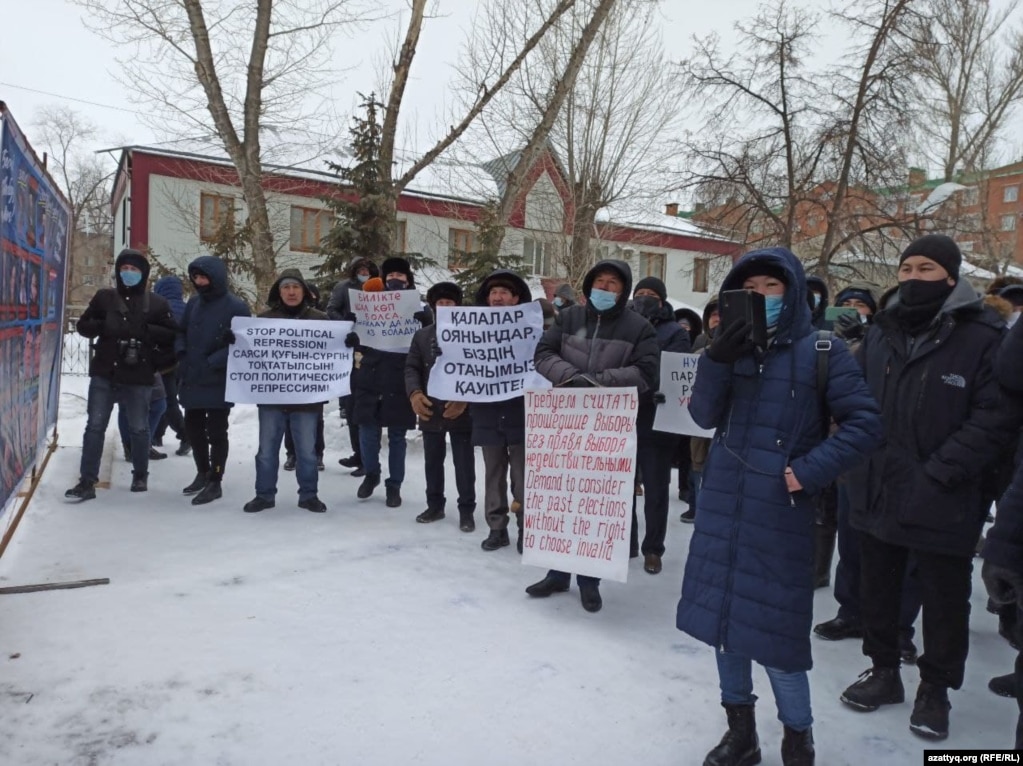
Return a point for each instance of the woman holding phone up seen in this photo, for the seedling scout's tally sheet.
(748, 584)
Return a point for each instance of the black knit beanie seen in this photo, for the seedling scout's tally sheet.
(652, 283)
(939, 248)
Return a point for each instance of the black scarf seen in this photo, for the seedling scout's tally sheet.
(919, 303)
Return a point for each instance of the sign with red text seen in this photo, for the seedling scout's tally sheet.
(288, 361)
(487, 352)
(580, 480)
(678, 375)
(386, 320)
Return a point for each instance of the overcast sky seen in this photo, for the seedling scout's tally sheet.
(49, 57)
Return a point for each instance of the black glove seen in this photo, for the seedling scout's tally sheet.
(1004, 586)
(849, 327)
(351, 340)
(659, 397)
(731, 343)
(423, 317)
(435, 347)
(228, 337)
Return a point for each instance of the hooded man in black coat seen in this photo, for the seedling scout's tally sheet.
(129, 325)
(929, 361)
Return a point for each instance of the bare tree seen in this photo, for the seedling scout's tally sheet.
(793, 156)
(246, 70)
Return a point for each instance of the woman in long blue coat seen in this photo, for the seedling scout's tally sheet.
(748, 584)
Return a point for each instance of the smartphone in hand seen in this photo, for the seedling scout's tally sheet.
(747, 305)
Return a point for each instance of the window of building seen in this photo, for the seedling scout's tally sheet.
(701, 275)
(308, 228)
(216, 215)
(1010, 194)
(400, 244)
(1008, 223)
(536, 256)
(651, 265)
(461, 244)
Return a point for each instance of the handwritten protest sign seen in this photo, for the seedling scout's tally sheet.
(678, 374)
(580, 479)
(384, 320)
(487, 353)
(288, 361)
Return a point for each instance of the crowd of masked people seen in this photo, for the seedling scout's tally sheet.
(888, 435)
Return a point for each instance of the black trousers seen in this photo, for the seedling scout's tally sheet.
(347, 404)
(654, 454)
(945, 585)
(464, 459)
(289, 442)
(207, 431)
(172, 417)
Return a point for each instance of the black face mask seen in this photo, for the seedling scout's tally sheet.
(646, 305)
(920, 292)
(396, 284)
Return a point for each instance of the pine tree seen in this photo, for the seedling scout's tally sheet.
(363, 208)
(487, 259)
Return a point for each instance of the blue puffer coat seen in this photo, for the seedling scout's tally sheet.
(171, 290)
(748, 584)
(203, 348)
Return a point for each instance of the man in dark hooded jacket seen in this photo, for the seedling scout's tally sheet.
(929, 360)
(499, 428)
(289, 298)
(655, 449)
(202, 363)
(817, 296)
(339, 309)
(171, 289)
(129, 324)
(600, 343)
(440, 420)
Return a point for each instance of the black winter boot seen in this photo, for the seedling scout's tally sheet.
(797, 748)
(138, 481)
(740, 746)
(466, 522)
(875, 687)
(196, 486)
(430, 515)
(393, 496)
(371, 482)
(498, 538)
(83, 490)
(930, 711)
(209, 493)
(838, 629)
(823, 550)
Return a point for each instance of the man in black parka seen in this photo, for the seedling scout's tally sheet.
(128, 324)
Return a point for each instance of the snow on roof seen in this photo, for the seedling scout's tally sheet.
(648, 220)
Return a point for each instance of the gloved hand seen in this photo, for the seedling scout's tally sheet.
(453, 409)
(423, 317)
(228, 337)
(580, 381)
(422, 406)
(1004, 586)
(731, 343)
(849, 327)
(351, 340)
(435, 347)
(659, 397)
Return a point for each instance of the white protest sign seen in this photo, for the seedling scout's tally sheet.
(384, 320)
(288, 361)
(580, 479)
(487, 352)
(678, 374)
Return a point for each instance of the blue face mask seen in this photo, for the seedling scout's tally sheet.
(130, 278)
(773, 304)
(362, 277)
(603, 300)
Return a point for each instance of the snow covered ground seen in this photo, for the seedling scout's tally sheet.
(361, 637)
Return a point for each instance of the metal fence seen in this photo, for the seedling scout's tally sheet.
(76, 355)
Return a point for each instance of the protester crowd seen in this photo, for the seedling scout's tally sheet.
(886, 426)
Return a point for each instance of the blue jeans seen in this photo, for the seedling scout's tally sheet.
(134, 400)
(369, 446)
(156, 409)
(272, 422)
(791, 690)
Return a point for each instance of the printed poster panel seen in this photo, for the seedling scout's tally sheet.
(487, 353)
(386, 320)
(580, 480)
(34, 223)
(288, 361)
(678, 374)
